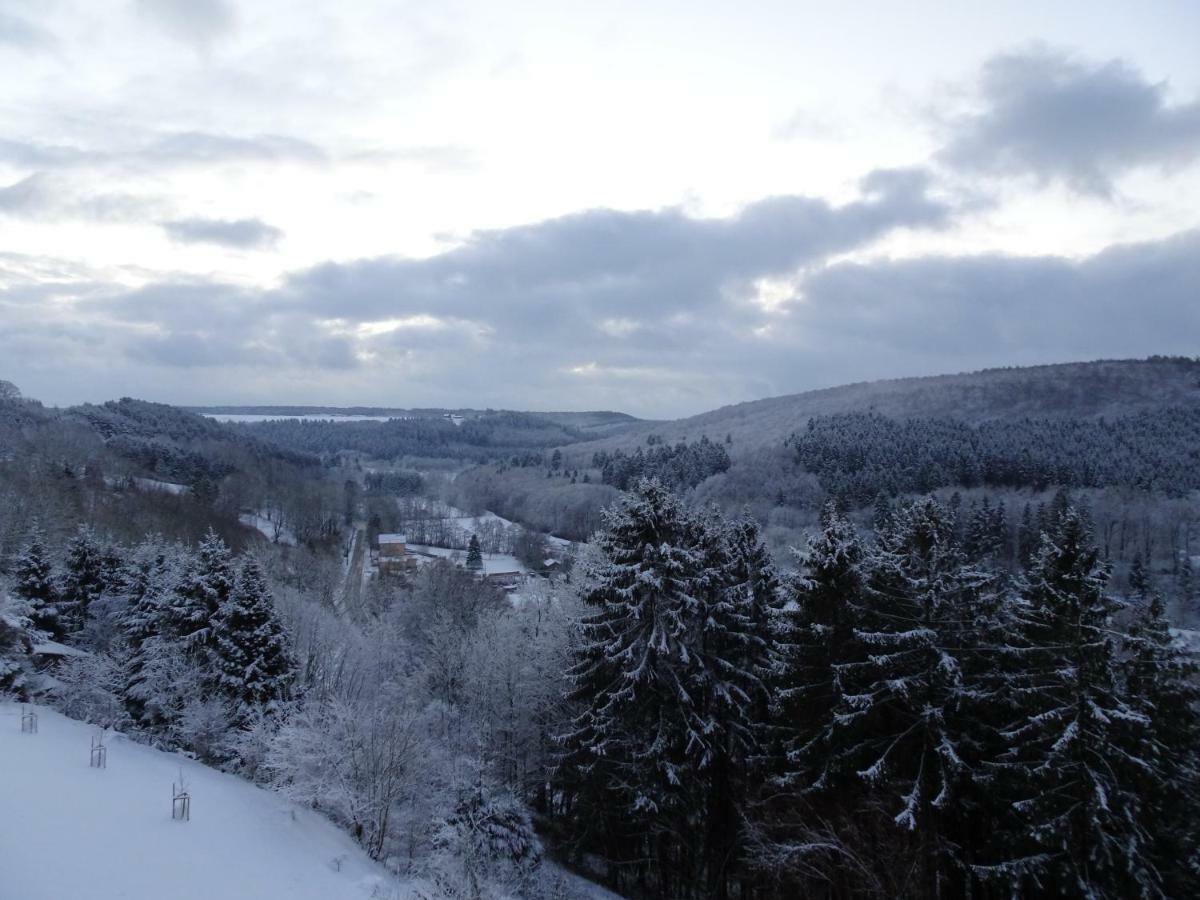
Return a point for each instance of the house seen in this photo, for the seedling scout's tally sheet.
(506, 581)
(394, 558)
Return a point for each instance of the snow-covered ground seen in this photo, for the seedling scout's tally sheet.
(493, 563)
(266, 528)
(69, 832)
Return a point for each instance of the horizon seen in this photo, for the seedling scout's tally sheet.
(211, 408)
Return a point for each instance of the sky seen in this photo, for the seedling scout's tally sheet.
(653, 207)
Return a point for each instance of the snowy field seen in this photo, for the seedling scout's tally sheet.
(71, 832)
(493, 563)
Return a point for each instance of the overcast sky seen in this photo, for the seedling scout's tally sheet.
(656, 207)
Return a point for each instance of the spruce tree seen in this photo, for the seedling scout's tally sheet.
(35, 584)
(474, 554)
(809, 789)
(1162, 685)
(83, 579)
(250, 655)
(204, 585)
(659, 710)
(1075, 752)
(1189, 590)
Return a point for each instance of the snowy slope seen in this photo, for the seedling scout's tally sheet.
(69, 831)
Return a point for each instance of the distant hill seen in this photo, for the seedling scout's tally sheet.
(1105, 388)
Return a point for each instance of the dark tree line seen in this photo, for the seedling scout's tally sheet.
(860, 455)
(489, 437)
(904, 718)
(680, 467)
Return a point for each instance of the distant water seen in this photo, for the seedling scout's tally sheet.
(247, 417)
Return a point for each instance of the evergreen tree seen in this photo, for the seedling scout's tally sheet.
(1027, 536)
(1189, 595)
(1162, 685)
(474, 555)
(660, 711)
(204, 585)
(816, 640)
(250, 653)
(740, 644)
(35, 584)
(83, 579)
(150, 652)
(1075, 751)
(1139, 579)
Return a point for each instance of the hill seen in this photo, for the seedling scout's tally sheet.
(1104, 388)
(75, 831)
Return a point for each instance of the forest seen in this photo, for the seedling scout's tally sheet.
(950, 686)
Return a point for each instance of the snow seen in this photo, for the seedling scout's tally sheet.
(54, 648)
(493, 563)
(72, 831)
(266, 528)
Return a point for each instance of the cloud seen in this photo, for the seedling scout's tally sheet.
(43, 197)
(647, 266)
(20, 33)
(176, 149)
(241, 234)
(199, 22)
(654, 312)
(1046, 115)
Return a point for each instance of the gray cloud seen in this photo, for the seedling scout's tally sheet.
(189, 148)
(580, 269)
(20, 33)
(199, 22)
(653, 312)
(242, 234)
(43, 197)
(1057, 119)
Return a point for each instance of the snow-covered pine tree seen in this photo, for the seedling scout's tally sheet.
(474, 554)
(1075, 750)
(1188, 589)
(1161, 683)
(902, 723)
(250, 654)
(804, 814)
(897, 737)
(1139, 579)
(740, 647)
(818, 628)
(36, 586)
(657, 709)
(203, 586)
(149, 651)
(83, 579)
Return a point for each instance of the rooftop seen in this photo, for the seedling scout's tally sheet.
(393, 539)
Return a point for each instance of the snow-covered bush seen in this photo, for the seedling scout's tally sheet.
(488, 838)
(89, 689)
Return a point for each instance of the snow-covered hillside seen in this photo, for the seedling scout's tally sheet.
(71, 831)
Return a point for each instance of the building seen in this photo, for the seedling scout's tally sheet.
(506, 581)
(394, 558)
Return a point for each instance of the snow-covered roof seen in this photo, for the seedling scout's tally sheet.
(54, 648)
(393, 539)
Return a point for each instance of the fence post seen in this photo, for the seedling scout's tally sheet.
(29, 723)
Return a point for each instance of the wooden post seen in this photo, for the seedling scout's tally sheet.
(181, 801)
(29, 718)
(99, 753)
